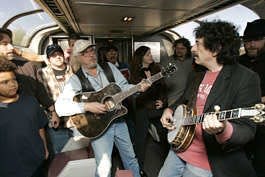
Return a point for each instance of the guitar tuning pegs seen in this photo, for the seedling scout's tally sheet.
(259, 106)
(257, 119)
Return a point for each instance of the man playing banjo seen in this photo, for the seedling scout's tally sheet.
(217, 147)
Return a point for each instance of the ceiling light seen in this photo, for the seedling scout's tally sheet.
(127, 19)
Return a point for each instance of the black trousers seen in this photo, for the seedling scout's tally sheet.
(258, 150)
(143, 118)
(41, 171)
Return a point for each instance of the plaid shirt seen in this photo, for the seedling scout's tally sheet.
(54, 86)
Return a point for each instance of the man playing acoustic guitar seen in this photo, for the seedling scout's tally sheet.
(217, 147)
(90, 76)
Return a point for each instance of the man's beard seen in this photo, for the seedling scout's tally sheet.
(180, 57)
(92, 66)
(261, 51)
(257, 53)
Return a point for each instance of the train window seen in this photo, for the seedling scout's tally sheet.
(241, 15)
(24, 27)
(23, 21)
(9, 10)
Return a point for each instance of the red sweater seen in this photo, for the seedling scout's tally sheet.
(196, 153)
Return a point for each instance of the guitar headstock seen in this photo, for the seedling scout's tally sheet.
(169, 69)
(259, 118)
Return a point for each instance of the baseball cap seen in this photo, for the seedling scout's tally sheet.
(53, 48)
(81, 45)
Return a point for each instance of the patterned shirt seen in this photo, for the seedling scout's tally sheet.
(53, 85)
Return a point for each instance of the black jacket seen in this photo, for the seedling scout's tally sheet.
(236, 86)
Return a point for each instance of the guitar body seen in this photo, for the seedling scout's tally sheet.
(94, 125)
(181, 137)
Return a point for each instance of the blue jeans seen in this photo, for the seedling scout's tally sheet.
(59, 137)
(117, 133)
(175, 167)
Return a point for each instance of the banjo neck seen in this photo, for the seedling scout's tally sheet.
(223, 115)
(184, 121)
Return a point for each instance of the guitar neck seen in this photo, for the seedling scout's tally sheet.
(222, 115)
(155, 77)
(119, 97)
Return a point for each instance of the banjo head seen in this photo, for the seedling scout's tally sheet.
(177, 120)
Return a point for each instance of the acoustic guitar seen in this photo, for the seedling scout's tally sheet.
(94, 125)
(183, 119)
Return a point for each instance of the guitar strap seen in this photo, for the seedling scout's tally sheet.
(85, 83)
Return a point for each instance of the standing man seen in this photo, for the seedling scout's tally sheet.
(53, 77)
(217, 148)
(10, 52)
(22, 136)
(93, 77)
(182, 59)
(19, 52)
(112, 56)
(254, 58)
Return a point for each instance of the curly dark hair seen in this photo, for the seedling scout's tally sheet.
(186, 43)
(221, 37)
(6, 65)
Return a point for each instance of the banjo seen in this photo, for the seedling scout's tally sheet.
(185, 121)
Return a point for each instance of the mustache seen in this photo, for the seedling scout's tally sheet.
(194, 55)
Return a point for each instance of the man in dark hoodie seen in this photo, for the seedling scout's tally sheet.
(254, 58)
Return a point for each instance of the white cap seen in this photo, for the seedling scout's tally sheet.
(81, 45)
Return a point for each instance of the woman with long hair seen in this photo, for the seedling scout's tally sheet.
(149, 105)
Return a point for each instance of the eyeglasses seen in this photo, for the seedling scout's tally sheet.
(89, 51)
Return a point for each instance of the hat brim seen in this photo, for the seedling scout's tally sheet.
(83, 49)
(88, 46)
(53, 51)
(257, 37)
